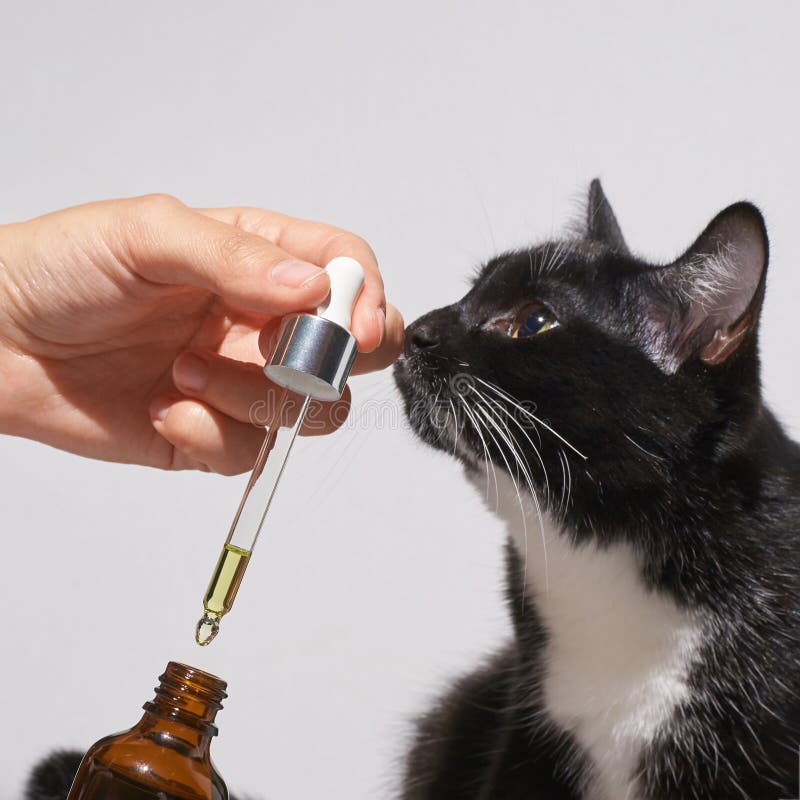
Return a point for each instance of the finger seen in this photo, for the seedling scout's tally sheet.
(284, 408)
(202, 434)
(167, 242)
(322, 418)
(389, 349)
(320, 243)
(240, 390)
(378, 359)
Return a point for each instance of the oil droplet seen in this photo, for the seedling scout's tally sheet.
(206, 630)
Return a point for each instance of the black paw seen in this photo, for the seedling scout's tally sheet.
(52, 777)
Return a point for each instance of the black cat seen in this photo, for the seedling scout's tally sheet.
(611, 409)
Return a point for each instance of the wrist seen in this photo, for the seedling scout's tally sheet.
(12, 359)
(11, 421)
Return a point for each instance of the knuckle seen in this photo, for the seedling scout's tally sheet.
(159, 201)
(247, 218)
(153, 205)
(343, 243)
(140, 216)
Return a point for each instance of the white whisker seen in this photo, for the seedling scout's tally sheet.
(507, 438)
(646, 452)
(487, 458)
(513, 401)
(499, 406)
(456, 425)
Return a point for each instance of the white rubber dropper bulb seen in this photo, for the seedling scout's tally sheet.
(347, 278)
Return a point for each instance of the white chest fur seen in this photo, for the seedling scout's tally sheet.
(618, 654)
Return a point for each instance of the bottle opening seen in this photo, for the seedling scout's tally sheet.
(189, 695)
(195, 680)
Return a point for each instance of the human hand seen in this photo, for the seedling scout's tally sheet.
(135, 330)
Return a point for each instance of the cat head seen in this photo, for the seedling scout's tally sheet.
(576, 361)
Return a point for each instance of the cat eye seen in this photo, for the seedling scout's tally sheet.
(533, 320)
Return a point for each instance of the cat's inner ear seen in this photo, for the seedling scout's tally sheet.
(601, 223)
(718, 286)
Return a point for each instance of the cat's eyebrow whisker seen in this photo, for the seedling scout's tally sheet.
(559, 256)
(550, 255)
(513, 401)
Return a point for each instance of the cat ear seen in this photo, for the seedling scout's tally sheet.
(718, 284)
(601, 224)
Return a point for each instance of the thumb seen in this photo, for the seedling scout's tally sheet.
(167, 242)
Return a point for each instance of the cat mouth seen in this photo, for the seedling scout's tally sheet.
(438, 411)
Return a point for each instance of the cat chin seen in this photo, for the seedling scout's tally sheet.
(456, 447)
(471, 461)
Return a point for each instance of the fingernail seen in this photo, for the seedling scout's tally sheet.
(190, 372)
(296, 273)
(159, 409)
(381, 315)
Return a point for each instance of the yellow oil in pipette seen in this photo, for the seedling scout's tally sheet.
(221, 591)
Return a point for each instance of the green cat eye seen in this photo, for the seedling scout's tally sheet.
(532, 321)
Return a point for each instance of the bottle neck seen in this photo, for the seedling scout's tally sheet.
(186, 702)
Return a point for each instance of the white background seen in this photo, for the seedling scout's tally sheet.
(439, 131)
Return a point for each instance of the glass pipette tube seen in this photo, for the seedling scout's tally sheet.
(312, 359)
(250, 516)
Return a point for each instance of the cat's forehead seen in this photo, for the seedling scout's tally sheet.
(560, 262)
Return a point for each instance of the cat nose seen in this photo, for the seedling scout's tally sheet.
(422, 336)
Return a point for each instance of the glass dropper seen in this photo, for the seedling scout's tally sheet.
(312, 359)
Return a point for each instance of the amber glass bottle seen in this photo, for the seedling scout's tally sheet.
(166, 755)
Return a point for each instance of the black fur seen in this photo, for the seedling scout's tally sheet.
(52, 777)
(684, 463)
